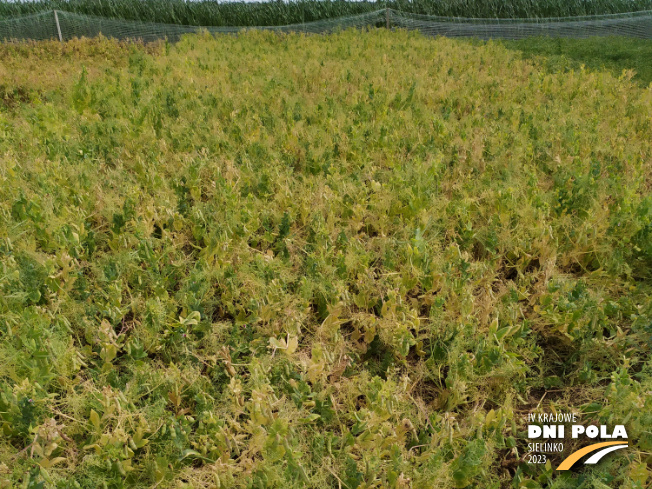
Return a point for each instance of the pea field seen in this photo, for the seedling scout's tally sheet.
(348, 261)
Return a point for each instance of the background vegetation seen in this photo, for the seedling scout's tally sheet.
(354, 261)
(277, 12)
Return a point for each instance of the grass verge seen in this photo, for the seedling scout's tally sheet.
(616, 54)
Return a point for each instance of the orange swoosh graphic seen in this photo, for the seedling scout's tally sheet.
(575, 456)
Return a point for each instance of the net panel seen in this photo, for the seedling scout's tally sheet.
(76, 25)
(37, 27)
(635, 24)
(44, 26)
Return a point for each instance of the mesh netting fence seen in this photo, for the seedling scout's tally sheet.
(634, 24)
(39, 27)
(66, 25)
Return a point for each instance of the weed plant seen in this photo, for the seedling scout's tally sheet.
(355, 261)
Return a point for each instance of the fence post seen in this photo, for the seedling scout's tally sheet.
(387, 17)
(56, 20)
